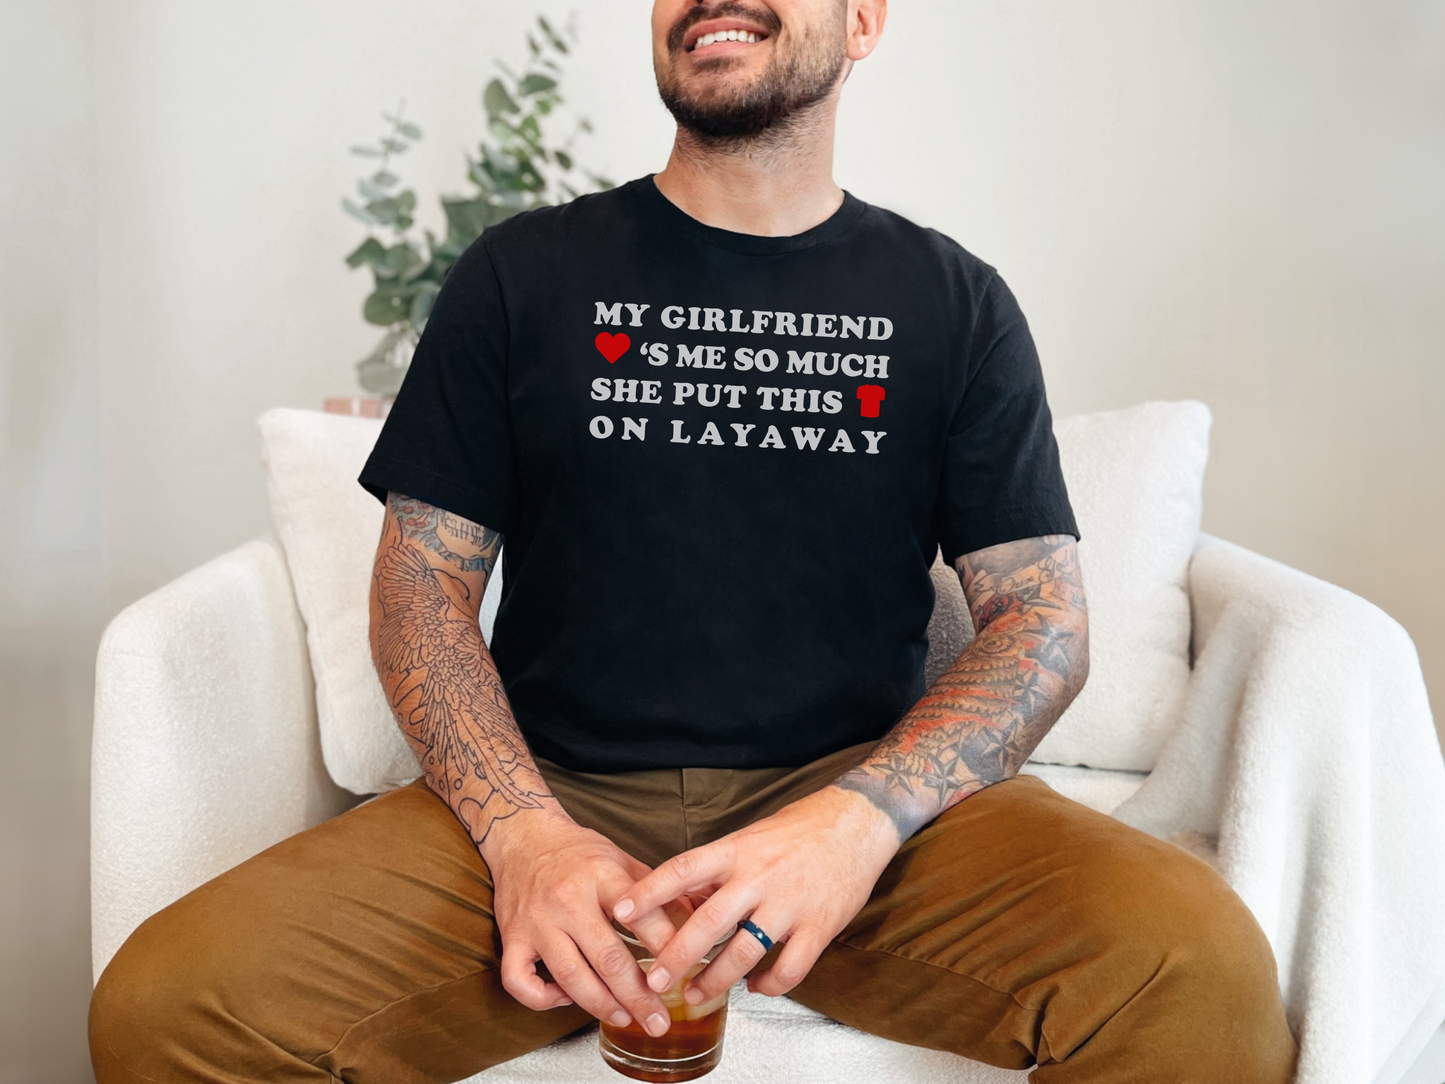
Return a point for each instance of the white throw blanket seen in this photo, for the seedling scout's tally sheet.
(1308, 752)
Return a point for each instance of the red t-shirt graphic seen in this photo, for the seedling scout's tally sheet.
(872, 395)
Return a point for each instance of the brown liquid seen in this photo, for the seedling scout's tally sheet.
(684, 1039)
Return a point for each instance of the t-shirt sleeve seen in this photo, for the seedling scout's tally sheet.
(1001, 476)
(448, 438)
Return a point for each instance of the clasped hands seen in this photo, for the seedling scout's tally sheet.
(801, 874)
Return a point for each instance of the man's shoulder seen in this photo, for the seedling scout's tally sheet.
(924, 242)
(551, 222)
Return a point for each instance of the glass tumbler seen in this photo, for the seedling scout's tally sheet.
(693, 1044)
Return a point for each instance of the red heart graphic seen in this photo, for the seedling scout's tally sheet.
(612, 346)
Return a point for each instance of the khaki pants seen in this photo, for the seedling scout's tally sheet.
(1019, 928)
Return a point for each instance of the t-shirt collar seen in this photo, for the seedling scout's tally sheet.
(830, 229)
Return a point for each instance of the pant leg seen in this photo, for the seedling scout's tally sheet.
(1022, 927)
(362, 949)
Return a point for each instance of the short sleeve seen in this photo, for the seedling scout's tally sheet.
(1001, 477)
(448, 439)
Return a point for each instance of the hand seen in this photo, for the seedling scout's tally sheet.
(801, 874)
(555, 883)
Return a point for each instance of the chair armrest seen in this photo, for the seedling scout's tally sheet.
(1306, 747)
(205, 748)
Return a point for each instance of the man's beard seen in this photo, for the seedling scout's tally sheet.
(787, 87)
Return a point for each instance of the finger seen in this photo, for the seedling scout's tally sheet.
(653, 928)
(708, 925)
(690, 871)
(574, 975)
(740, 956)
(792, 965)
(613, 963)
(520, 979)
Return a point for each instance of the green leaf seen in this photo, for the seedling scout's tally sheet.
(407, 201)
(501, 165)
(421, 304)
(564, 160)
(535, 83)
(360, 213)
(370, 191)
(395, 146)
(381, 371)
(532, 180)
(401, 262)
(408, 129)
(502, 130)
(480, 177)
(382, 179)
(368, 252)
(557, 42)
(529, 129)
(383, 211)
(388, 304)
(466, 219)
(448, 251)
(497, 101)
(366, 152)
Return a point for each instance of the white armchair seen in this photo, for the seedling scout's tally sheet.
(1304, 765)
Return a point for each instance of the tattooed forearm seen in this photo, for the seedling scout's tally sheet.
(469, 546)
(983, 717)
(431, 569)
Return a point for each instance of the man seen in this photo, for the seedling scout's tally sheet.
(724, 418)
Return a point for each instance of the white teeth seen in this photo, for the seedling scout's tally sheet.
(725, 35)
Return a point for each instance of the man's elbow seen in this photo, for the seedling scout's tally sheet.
(1079, 657)
(373, 635)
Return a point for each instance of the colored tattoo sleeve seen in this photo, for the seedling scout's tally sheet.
(988, 712)
(439, 678)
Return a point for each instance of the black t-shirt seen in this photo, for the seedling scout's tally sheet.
(723, 465)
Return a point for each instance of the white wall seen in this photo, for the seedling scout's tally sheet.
(1237, 202)
(1220, 200)
(52, 596)
(224, 131)
(51, 547)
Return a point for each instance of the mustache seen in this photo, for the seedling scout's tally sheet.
(762, 16)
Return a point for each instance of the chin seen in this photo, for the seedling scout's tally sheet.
(701, 75)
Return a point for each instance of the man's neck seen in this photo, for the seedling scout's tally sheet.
(775, 186)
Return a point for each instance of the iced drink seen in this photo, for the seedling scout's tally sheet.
(691, 1047)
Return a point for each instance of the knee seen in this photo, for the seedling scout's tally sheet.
(1203, 969)
(146, 1013)
(1203, 929)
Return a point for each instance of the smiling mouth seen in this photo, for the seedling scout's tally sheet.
(747, 36)
(720, 42)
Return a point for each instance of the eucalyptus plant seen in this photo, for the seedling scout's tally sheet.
(517, 167)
